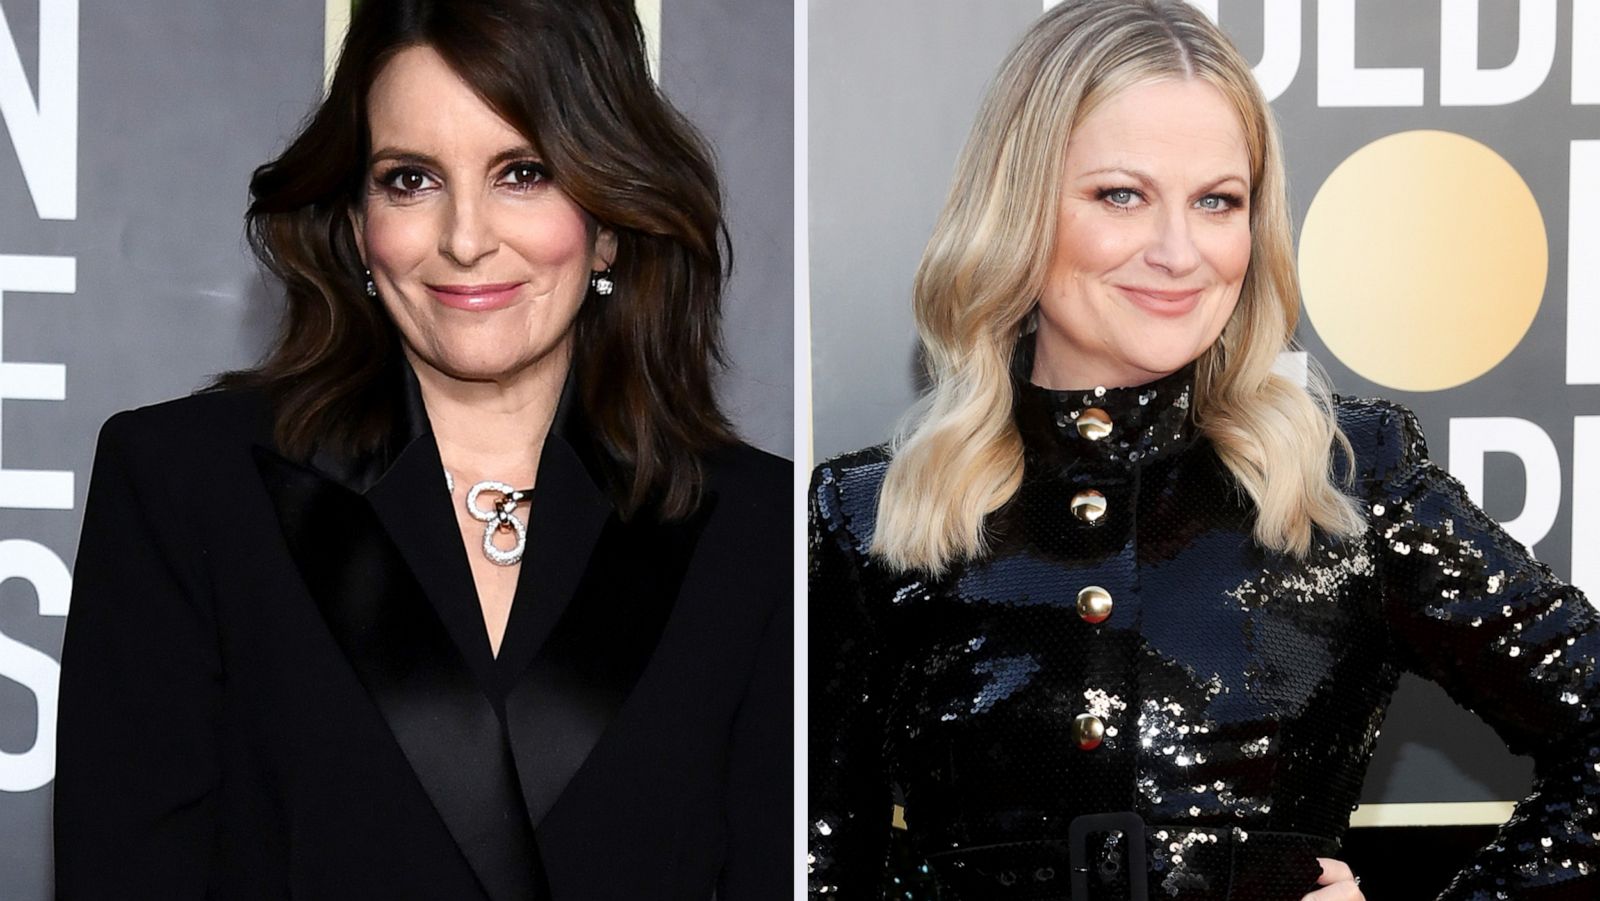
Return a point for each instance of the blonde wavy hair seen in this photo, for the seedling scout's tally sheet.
(957, 456)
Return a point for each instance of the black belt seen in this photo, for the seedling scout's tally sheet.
(1119, 857)
(1126, 824)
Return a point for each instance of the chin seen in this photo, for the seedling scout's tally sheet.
(495, 362)
(1156, 364)
(1164, 364)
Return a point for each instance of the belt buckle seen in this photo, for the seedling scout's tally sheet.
(1132, 829)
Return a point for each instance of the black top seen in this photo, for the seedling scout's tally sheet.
(1147, 696)
(276, 680)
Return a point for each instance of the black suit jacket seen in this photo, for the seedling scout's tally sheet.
(276, 681)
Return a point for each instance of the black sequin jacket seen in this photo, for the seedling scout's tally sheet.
(1209, 736)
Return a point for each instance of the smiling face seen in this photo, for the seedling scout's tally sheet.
(479, 258)
(1152, 237)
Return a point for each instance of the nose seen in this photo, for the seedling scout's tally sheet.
(1172, 248)
(467, 235)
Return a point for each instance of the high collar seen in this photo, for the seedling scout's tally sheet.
(1124, 426)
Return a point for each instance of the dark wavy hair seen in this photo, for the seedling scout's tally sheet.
(572, 77)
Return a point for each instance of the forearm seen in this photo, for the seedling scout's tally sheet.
(1547, 851)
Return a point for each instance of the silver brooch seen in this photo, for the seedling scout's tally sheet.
(502, 517)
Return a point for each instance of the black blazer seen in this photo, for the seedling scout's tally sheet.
(276, 680)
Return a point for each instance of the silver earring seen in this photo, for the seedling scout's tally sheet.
(372, 287)
(601, 282)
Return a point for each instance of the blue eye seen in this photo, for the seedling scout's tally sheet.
(1219, 203)
(1119, 196)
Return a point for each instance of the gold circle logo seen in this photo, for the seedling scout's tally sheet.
(1423, 260)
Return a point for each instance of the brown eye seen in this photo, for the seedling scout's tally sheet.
(525, 174)
(405, 181)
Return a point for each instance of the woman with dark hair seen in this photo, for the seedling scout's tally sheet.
(1120, 610)
(468, 591)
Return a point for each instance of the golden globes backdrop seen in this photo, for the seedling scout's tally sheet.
(1444, 160)
(129, 134)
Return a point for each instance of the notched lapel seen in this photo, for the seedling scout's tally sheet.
(386, 565)
(562, 703)
(414, 508)
(382, 619)
(565, 517)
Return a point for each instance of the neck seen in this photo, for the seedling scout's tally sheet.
(1063, 370)
(493, 429)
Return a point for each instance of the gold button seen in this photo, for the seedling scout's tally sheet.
(1088, 731)
(1094, 604)
(1089, 505)
(1094, 424)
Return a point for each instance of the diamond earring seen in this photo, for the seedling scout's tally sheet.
(372, 287)
(602, 283)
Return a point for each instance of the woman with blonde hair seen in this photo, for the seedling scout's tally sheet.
(1120, 609)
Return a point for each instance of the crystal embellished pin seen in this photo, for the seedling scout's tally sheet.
(502, 517)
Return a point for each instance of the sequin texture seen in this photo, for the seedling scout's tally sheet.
(1241, 691)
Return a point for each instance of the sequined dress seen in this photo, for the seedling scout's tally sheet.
(1127, 689)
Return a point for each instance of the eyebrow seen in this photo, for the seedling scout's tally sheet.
(1144, 178)
(395, 154)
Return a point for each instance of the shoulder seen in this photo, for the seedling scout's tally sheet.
(745, 542)
(751, 479)
(171, 468)
(753, 493)
(1385, 436)
(196, 427)
(747, 470)
(844, 492)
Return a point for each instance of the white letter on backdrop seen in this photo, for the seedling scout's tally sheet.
(1463, 83)
(1583, 247)
(30, 667)
(1586, 505)
(1339, 82)
(1280, 39)
(1585, 51)
(34, 489)
(45, 134)
(1472, 438)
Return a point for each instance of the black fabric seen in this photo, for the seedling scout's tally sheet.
(1221, 864)
(444, 723)
(276, 681)
(1240, 690)
(563, 701)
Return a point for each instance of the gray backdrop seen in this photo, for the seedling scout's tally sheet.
(894, 85)
(151, 290)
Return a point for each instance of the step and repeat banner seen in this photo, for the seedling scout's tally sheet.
(1444, 162)
(129, 134)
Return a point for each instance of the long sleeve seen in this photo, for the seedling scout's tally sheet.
(851, 802)
(137, 769)
(1473, 611)
(761, 774)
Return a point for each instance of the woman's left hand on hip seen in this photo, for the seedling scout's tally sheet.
(1339, 884)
